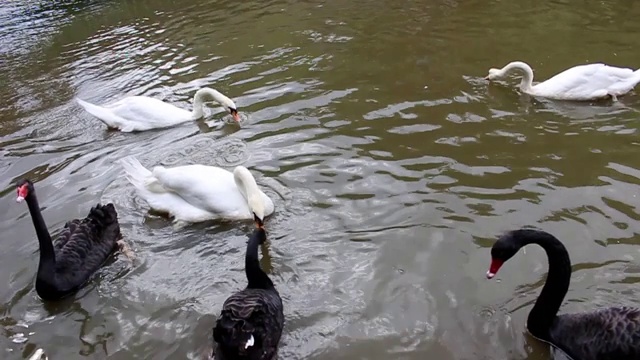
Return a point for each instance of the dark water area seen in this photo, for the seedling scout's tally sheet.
(393, 166)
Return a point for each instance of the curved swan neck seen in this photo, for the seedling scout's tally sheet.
(47, 254)
(257, 278)
(245, 182)
(202, 95)
(555, 288)
(527, 78)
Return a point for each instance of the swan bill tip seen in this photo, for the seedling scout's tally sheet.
(490, 274)
(19, 199)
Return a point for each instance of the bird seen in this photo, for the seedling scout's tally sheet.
(251, 321)
(580, 83)
(140, 113)
(81, 249)
(195, 193)
(611, 333)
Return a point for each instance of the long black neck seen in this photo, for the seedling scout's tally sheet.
(47, 255)
(555, 288)
(256, 277)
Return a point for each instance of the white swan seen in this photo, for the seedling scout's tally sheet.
(583, 82)
(140, 113)
(194, 193)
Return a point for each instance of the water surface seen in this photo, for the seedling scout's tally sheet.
(392, 163)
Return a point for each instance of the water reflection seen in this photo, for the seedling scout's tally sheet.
(392, 163)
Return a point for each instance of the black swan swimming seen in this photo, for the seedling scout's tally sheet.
(250, 324)
(81, 248)
(606, 334)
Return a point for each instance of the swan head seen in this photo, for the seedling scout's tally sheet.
(227, 103)
(494, 74)
(24, 188)
(256, 205)
(503, 250)
(218, 97)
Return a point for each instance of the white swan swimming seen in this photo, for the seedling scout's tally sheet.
(140, 113)
(194, 193)
(582, 82)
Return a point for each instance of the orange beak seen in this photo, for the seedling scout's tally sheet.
(235, 115)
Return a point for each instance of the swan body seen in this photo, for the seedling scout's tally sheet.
(605, 334)
(582, 82)
(251, 321)
(80, 250)
(140, 113)
(194, 193)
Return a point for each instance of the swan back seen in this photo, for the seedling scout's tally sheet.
(249, 188)
(80, 250)
(607, 334)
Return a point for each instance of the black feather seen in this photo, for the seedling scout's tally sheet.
(605, 334)
(255, 311)
(81, 248)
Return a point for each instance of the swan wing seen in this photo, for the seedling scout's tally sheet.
(208, 188)
(143, 112)
(606, 334)
(585, 82)
(69, 228)
(87, 245)
(170, 190)
(256, 313)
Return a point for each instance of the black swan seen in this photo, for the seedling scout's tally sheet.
(605, 334)
(81, 248)
(250, 324)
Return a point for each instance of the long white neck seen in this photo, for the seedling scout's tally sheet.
(246, 183)
(527, 77)
(207, 93)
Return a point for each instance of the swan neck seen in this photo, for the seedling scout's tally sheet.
(527, 78)
(246, 184)
(256, 277)
(198, 105)
(47, 254)
(199, 99)
(546, 308)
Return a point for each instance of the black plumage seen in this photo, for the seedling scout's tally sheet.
(605, 334)
(251, 322)
(81, 248)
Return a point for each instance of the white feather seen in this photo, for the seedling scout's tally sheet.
(582, 82)
(193, 193)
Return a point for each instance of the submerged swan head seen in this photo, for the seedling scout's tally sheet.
(228, 104)
(247, 185)
(527, 74)
(495, 74)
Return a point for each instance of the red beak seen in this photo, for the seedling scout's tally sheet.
(494, 267)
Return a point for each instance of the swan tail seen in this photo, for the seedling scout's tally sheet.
(103, 215)
(140, 176)
(104, 115)
(233, 335)
(105, 222)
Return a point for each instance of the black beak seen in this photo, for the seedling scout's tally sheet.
(259, 223)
